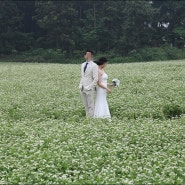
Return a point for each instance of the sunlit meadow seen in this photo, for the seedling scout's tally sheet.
(45, 137)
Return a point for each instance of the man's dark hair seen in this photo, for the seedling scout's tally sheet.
(88, 50)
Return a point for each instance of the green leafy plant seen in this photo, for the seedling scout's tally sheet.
(172, 111)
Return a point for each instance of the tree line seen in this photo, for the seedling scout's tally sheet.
(70, 27)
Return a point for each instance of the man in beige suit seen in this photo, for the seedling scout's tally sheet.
(89, 78)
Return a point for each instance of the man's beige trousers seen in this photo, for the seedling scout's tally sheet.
(88, 101)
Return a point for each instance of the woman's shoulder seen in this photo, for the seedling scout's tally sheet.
(100, 71)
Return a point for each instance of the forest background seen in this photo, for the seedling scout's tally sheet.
(61, 31)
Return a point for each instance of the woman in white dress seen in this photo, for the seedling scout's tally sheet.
(101, 109)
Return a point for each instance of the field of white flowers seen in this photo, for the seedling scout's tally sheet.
(45, 137)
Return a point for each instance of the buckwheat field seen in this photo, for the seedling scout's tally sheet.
(46, 138)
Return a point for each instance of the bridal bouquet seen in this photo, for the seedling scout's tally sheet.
(116, 82)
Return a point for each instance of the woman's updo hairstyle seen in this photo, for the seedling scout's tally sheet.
(101, 61)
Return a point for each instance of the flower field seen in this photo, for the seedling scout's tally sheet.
(46, 138)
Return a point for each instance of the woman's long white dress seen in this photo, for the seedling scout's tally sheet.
(101, 109)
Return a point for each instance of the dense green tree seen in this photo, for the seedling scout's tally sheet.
(177, 23)
(170, 23)
(10, 22)
(86, 32)
(114, 27)
(109, 28)
(59, 19)
(136, 29)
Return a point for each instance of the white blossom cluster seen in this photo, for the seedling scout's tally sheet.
(45, 137)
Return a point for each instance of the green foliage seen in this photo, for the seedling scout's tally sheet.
(149, 54)
(10, 21)
(57, 56)
(104, 26)
(172, 111)
(40, 55)
(174, 53)
(152, 54)
(59, 20)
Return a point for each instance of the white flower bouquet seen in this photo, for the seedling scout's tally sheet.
(116, 82)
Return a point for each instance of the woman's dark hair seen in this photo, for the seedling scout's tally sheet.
(101, 61)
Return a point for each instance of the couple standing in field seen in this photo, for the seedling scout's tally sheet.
(94, 77)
